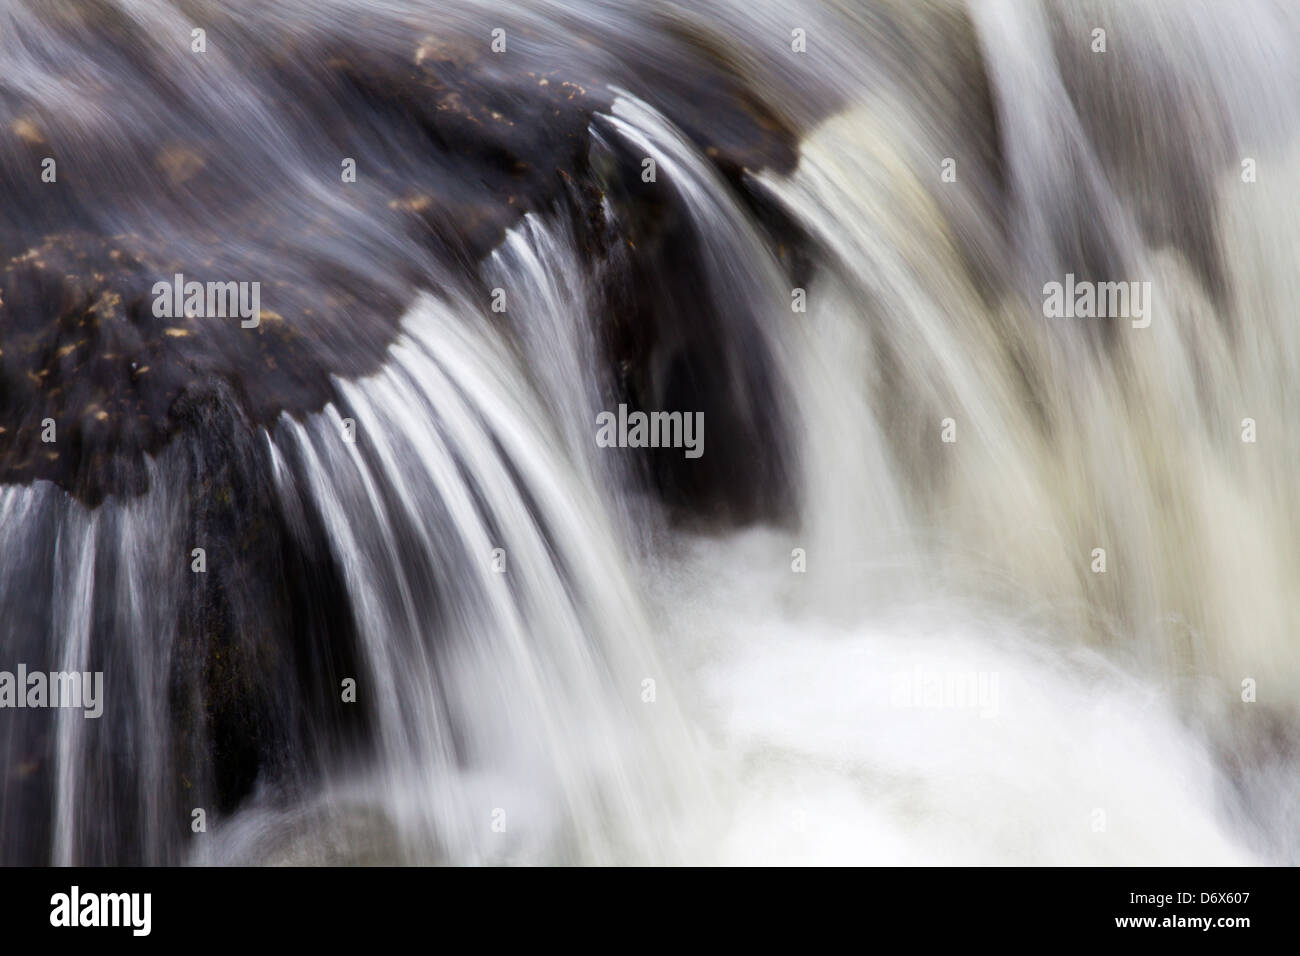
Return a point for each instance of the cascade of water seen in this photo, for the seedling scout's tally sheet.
(955, 580)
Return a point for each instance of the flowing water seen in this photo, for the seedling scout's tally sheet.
(876, 633)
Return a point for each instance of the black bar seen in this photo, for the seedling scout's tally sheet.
(322, 907)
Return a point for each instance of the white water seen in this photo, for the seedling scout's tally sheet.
(778, 733)
(1085, 758)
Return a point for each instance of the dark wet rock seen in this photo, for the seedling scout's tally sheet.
(678, 344)
(83, 349)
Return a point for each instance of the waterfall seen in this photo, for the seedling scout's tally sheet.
(501, 634)
(954, 581)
